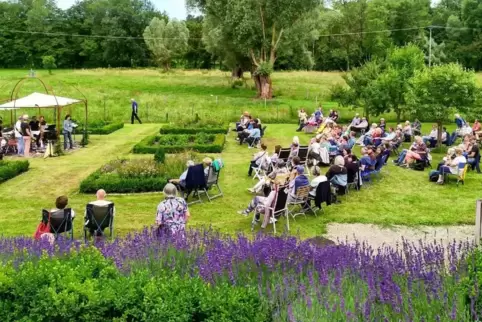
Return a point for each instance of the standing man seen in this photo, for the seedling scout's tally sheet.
(19, 137)
(135, 110)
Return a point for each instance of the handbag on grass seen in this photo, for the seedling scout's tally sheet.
(42, 228)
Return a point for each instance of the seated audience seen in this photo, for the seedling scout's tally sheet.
(262, 205)
(258, 159)
(383, 125)
(100, 201)
(360, 126)
(418, 151)
(181, 182)
(294, 148)
(432, 137)
(300, 181)
(416, 127)
(279, 175)
(274, 158)
(251, 135)
(62, 202)
(474, 154)
(407, 132)
(337, 174)
(451, 166)
(367, 161)
(318, 178)
(355, 121)
(172, 214)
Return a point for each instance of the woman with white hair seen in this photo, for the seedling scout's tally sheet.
(338, 174)
(294, 148)
(181, 182)
(407, 131)
(172, 213)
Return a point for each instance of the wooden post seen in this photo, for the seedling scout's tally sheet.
(478, 221)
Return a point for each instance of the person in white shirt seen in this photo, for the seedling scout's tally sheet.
(318, 178)
(427, 139)
(181, 182)
(259, 159)
(100, 195)
(19, 136)
(452, 166)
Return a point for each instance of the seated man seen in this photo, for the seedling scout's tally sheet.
(101, 202)
(337, 174)
(360, 126)
(451, 166)
(181, 182)
(207, 162)
(367, 161)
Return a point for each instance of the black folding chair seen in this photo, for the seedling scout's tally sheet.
(60, 222)
(98, 218)
(284, 154)
(278, 208)
(303, 155)
(195, 182)
(212, 181)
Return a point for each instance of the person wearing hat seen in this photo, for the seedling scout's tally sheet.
(135, 111)
(27, 136)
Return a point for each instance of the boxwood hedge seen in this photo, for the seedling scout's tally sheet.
(106, 128)
(11, 169)
(116, 184)
(148, 145)
(192, 130)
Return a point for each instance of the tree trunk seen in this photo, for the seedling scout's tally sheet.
(439, 134)
(237, 72)
(398, 112)
(264, 87)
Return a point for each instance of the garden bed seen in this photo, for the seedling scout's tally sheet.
(171, 129)
(135, 175)
(104, 128)
(171, 143)
(11, 169)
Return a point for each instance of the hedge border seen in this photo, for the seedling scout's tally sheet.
(182, 130)
(11, 169)
(145, 146)
(106, 129)
(116, 184)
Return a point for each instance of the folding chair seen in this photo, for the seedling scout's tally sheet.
(462, 171)
(60, 222)
(212, 181)
(260, 170)
(195, 182)
(254, 143)
(284, 154)
(263, 130)
(303, 155)
(300, 199)
(379, 166)
(277, 209)
(98, 218)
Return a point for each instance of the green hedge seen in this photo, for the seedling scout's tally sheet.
(115, 184)
(85, 286)
(11, 169)
(147, 146)
(105, 129)
(188, 130)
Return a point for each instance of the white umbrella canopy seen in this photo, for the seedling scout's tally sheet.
(38, 100)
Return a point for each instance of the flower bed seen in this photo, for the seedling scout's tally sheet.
(104, 128)
(171, 143)
(135, 175)
(11, 169)
(295, 280)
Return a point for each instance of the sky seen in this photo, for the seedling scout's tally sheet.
(174, 8)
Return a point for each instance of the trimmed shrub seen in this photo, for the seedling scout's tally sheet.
(103, 128)
(116, 184)
(160, 155)
(203, 143)
(11, 169)
(192, 130)
(85, 286)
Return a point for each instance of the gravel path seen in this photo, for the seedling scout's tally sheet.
(377, 236)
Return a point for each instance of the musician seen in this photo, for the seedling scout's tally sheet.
(43, 127)
(35, 129)
(135, 110)
(68, 128)
(1, 128)
(27, 136)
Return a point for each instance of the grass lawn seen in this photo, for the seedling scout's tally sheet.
(402, 197)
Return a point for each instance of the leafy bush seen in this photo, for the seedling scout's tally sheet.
(160, 155)
(204, 143)
(11, 169)
(84, 286)
(192, 130)
(103, 128)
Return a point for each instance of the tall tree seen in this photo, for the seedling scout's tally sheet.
(166, 41)
(197, 56)
(256, 27)
(439, 91)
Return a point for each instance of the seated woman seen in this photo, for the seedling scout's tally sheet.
(318, 178)
(432, 137)
(299, 181)
(474, 154)
(258, 159)
(448, 157)
(181, 182)
(337, 174)
(279, 172)
(407, 132)
(360, 126)
(476, 129)
(418, 152)
(294, 148)
(243, 122)
(451, 166)
(254, 134)
(207, 162)
(355, 121)
(172, 214)
(367, 161)
(62, 202)
(274, 158)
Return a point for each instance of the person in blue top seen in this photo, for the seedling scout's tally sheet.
(135, 110)
(460, 122)
(254, 134)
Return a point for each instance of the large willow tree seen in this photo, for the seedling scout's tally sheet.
(258, 29)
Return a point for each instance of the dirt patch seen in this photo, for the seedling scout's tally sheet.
(378, 236)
